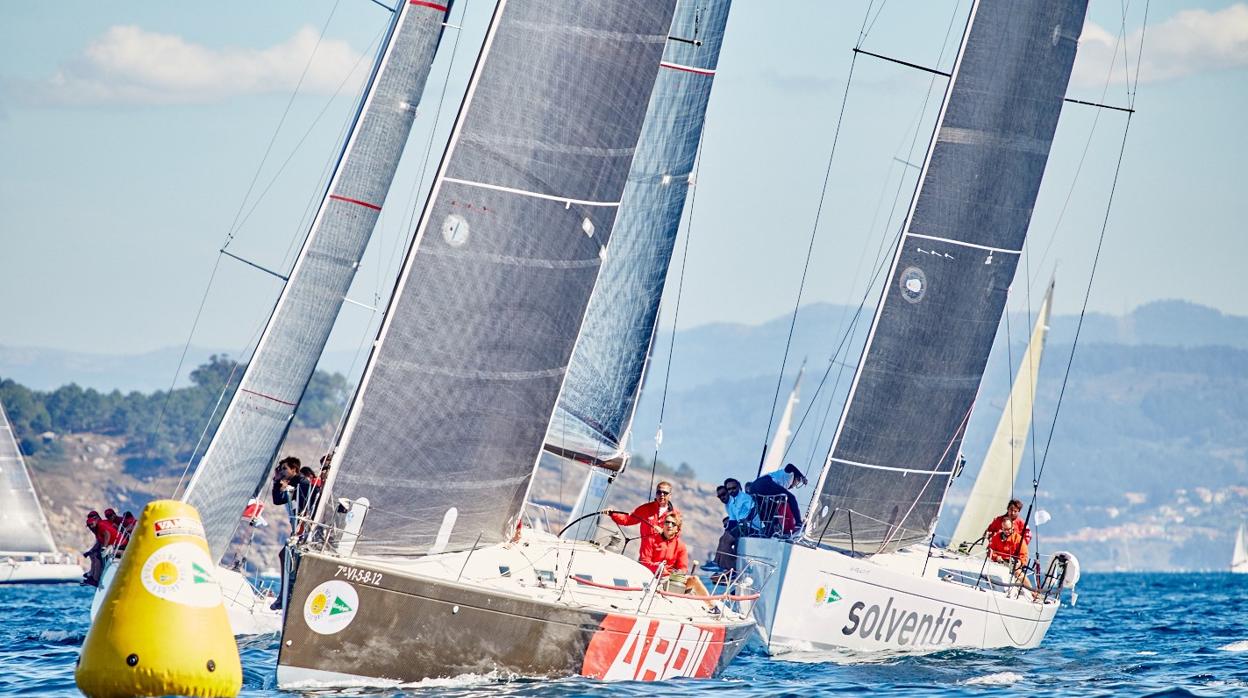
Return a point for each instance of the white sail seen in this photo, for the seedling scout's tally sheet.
(1239, 561)
(24, 529)
(994, 486)
(775, 455)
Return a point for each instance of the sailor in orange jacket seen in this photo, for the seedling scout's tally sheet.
(649, 516)
(669, 554)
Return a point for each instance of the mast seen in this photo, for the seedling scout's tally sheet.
(445, 432)
(899, 434)
(994, 485)
(24, 528)
(259, 414)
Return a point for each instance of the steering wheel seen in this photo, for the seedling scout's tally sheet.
(604, 512)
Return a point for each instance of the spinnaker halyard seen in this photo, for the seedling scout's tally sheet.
(863, 555)
(444, 435)
(260, 411)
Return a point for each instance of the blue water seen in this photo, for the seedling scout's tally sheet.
(1130, 634)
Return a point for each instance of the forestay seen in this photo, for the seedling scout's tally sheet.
(994, 485)
(604, 378)
(445, 433)
(23, 527)
(239, 456)
(899, 435)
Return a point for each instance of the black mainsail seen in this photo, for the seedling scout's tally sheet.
(445, 432)
(902, 426)
(258, 416)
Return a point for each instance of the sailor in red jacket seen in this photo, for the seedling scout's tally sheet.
(649, 516)
(668, 553)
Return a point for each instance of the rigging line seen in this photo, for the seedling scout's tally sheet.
(680, 292)
(810, 248)
(273, 139)
(1009, 400)
(1139, 57)
(1082, 313)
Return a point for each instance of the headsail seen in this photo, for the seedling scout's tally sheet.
(1239, 560)
(780, 442)
(899, 434)
(604, 379)
(994, 485)
(259, 414)
(445, 432)
(23, 527)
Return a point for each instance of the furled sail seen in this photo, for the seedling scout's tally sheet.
(604, 379)
(897, 442)
(259, 414)
(23, 527)
(445, 432)
(994, 485)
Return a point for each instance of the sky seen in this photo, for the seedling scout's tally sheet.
(139, 138)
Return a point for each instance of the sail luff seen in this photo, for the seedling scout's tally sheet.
(25, 529)
(994, 485)
(258, 416)
(780, 441)
(898, 438)
(446, 430)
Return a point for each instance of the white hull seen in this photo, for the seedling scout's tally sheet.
(1240, 568)
(38, 572)
(247, 608)
(828, 600)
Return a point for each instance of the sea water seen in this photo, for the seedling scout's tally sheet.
(1130, 634)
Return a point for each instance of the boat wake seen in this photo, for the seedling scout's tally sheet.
(1237, 646)
(60, 637)
(1000, 678)
(461, 681)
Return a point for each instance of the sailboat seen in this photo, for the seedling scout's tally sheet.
(236, 463)
(431, 569)
(774, 460)
(862, 574)
(28, 553)
(1239, 559)
(994, 484)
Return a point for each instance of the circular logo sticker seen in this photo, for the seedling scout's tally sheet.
(182, 573)
(913, 283)
(455, 230)
(331, 607)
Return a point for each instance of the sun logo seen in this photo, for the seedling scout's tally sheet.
(319, 602)
(331, 607)
(826, 595)
(165, 573)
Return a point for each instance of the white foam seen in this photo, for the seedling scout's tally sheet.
(1001, 678)
(59, 635)
(1237, 646)
(1145, 653)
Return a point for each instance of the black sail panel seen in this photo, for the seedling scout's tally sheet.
(902, 427)
(445, 433)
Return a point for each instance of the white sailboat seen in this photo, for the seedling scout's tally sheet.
(28, 553)
(259, 414)
(994, 485)
(780, 441)
(1239, 559)
(862, 575)
(434, 570)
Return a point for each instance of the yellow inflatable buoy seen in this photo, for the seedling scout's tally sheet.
(162, 628)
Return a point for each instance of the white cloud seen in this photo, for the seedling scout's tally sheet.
(128, 65)
(1192, 41)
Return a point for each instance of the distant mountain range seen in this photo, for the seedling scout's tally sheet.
(1148, 463)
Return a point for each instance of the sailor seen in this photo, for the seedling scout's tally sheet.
(740, 509)
(105, 535)
(669, 556)
(779, 511)
(1011, 514)
(292, 488)
(649, 516)
(127, 527)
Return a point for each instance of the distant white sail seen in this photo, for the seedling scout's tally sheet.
(23, 527)
(775, 454)
(995, 483)
(1239, 561)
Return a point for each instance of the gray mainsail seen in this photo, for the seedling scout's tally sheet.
(23, 527)
(257, 418)
(604, 378)
(900, 432)
(445, 432)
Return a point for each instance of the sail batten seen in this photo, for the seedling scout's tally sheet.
(604, 379)
(919, 373)
(260, 412)
(25, 530)
(445, 433)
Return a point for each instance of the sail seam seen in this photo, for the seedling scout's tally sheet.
(431, 5)
(961, 243)
(536, 195)
(891, 467)
(357, 202)
(267, 397)
(687, 68)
